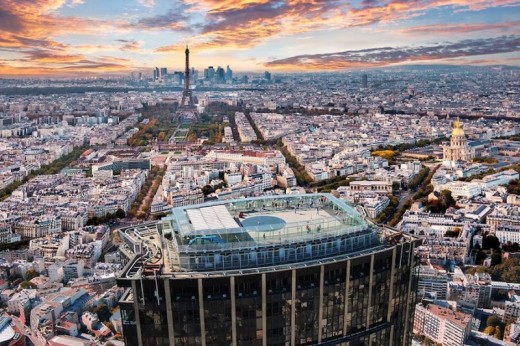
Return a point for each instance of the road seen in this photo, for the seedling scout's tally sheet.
(26, 331)
(404, 196)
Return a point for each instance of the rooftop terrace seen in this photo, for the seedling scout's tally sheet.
(248, 233)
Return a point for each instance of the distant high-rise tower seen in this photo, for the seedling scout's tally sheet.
(229, 73)
(221, 75)
(194, 75)
(163, 72)
(364, 81)
(211, 73)
(187, 91)
(267, 76)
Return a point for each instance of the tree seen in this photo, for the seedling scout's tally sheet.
(453, 234)
(116, 238)
(103, 312)
(31, 274)
(94, 220)
(496, 259)
(493, 321)
(508, 270)
(498, 333)
(207, 189)
(501, 295)
(27, 285)
(512, 274)
(490, 242)
(490, 330)
(120, 213)
(161, 137)
(447, 198)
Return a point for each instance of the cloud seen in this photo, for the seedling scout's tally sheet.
(48, 57)
(130, 45)
(84, 69)
(450, 29)
(377, 57)
(74, 3)
(219, 6)
(9, 21)
(146, 3)
(29, 30)
(243, 24)
(24, 23)
(174, 19)
(92, 48)
(33, 29)
(41, 62)
(376, 11)
(114, 59)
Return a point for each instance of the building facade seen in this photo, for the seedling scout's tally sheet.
(379, 187)
(7, 234)
(322, 276)
(458, 150)
(511, 310)
(433, 282)
(506, 233)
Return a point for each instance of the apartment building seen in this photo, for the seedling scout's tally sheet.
(442, 325)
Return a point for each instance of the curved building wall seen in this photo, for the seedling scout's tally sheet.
(358, 300)
(258, 255)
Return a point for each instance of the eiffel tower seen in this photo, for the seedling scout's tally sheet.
(186, 94)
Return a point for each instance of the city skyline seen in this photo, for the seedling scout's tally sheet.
(374, 207)
(83, 37)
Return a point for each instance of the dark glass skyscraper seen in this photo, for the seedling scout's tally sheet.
(221, 75)
(364, 81)
(291, 270)
(229, 73)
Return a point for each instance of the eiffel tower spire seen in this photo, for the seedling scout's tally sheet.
(186, 94)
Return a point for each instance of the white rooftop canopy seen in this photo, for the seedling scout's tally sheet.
(215, 218)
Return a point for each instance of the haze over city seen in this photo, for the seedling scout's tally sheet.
(85, 37)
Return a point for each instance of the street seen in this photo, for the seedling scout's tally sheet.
(26, 331)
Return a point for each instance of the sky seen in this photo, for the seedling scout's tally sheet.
(92, 37)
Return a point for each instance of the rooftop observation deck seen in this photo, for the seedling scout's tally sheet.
(249, 233)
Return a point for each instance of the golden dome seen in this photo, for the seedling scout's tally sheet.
(457, 130)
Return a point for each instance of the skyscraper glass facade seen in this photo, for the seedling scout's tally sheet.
(361, 297)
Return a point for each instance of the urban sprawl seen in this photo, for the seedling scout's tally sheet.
(87, 175)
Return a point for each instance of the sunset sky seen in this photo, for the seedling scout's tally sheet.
(83, 37)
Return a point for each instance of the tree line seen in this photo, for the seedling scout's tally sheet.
(53, 168)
